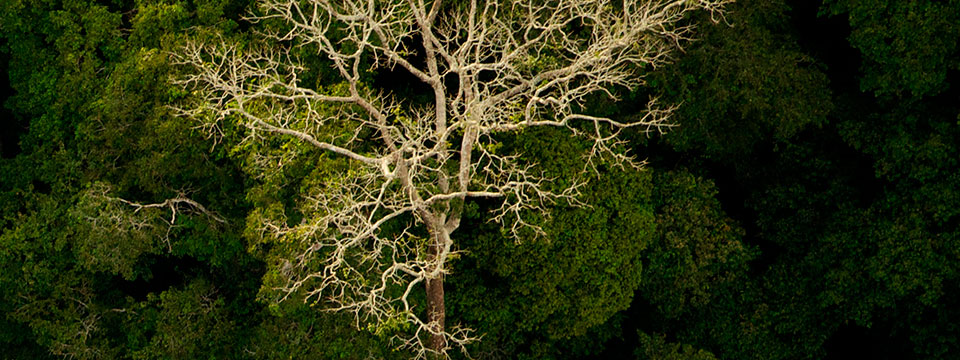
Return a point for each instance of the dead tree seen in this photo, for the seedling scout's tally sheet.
(493, 66)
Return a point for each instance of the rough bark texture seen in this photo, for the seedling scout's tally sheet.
(436, 311)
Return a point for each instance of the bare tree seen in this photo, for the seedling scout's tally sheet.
(494, 66)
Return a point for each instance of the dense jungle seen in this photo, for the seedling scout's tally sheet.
(803, 204)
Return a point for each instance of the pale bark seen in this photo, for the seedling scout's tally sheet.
(517, 64)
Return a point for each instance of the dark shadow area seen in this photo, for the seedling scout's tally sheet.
(660, 155)
(853, 167)
(640, 316)
(948, 100)
(401, 82)
(10, 127)
(236, 10)
(17, 341)
(162, 273)
(733, 191)
(734, 188)
(875, 343)
(41, 187)
(825, 38)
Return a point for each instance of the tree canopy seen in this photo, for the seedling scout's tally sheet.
(801, 202)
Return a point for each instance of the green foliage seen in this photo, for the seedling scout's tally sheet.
(846, 206)
(110, 237)
(302, 332)
(95, 94)
(742, 83)
(189, 323)
(697, 247)
(913, 248)
(567, 285)
(655, 347)
(57, 50)
(908, 46)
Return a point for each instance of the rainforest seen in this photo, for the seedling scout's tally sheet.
(489, 179)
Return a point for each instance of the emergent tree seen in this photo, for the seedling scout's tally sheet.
(370, 235)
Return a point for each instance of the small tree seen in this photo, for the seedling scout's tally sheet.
(494, 67)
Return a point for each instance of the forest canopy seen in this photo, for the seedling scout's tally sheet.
(561, 179)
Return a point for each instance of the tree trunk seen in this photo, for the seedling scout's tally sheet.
(435, 307)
